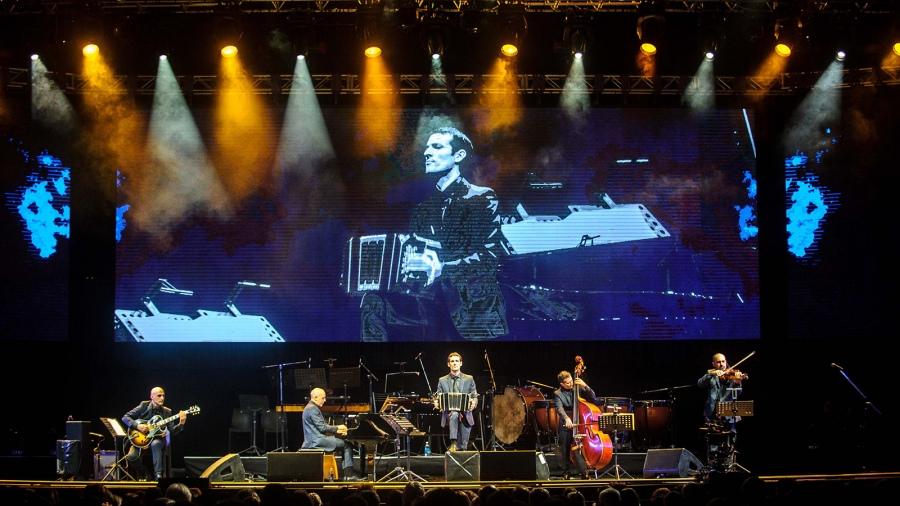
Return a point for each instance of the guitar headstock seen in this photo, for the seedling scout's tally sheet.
(193, 410)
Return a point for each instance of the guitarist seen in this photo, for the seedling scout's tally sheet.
(145, 411)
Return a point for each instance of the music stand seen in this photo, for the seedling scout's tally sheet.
(307, 379)
(616, 422)
(344, 378)
(733, 409)
(407, 381)
(402, 427)
(253, 404)
(119, 436)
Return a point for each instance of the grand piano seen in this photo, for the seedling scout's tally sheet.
(370, 429)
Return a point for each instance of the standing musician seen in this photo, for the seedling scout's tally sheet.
(318, 434)
(146, 410)
(564, 399)
(720, 383)
(458, 382)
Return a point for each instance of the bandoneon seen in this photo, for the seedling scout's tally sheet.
(452, 401)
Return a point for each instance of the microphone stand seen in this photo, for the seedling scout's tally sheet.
(282, 437)
(868, 404)
(491, 392)
(422, 366)
(371, 377)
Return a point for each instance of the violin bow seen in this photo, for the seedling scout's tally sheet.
(741, 361)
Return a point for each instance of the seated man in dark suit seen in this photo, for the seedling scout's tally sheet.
(136, 420)
(318, 434)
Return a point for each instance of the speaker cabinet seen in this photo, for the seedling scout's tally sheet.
(462, 466)
(227, 468)
(514, 465)
(77, 430)
(305, 465)
(69, 458)
(671, 463)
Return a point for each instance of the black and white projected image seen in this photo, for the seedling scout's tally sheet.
(618, 225)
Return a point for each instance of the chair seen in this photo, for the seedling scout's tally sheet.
(274, 423)
(241, 422)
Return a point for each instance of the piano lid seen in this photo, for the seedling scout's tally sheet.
(350, 407)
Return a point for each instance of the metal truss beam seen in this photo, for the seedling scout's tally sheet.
(471, 84)
(276, 6)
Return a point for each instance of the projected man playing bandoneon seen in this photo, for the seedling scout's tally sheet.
(459, 226)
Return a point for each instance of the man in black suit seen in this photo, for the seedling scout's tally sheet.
(136, 420)
(317, 433)
(460, 422)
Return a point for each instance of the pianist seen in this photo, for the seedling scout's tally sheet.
(318, 434)
(460, 422)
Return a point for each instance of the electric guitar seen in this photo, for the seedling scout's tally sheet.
(157, 426)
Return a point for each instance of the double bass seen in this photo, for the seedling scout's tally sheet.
(594, 445)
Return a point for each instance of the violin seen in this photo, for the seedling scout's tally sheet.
(729, 375)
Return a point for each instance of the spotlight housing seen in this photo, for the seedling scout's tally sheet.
(90, 50)
(648, 48)
(709, 55)
(651, 25)
(163, 57)
(840, 55)
(783, 50)
(578, 55)
(896, 48)
(372, 52)
(34, 57)
(788, 32)
(301, 57)
(509, 50)
(229, 51)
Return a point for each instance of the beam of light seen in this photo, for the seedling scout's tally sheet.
(304, 143)
(177, 178)
(770, 69)
(892, 58)
(501, 104)
(437, 70)
(575, 99)
(115, 133)
(49, 105)
(700, 93)
(646, 63)
(243, 148)
(819, 109)
(378, 117)
(749, 131)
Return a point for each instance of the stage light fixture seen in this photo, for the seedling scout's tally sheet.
(513, 27)
(579, 55)
(576, 34)
(840, 56)
(369, 29)
(709, 55)
(896, 48)
(90, 50)
(651, 25)
(34, 57)
(163, 57)
(788, 32)
(229, 51)
(301, 57)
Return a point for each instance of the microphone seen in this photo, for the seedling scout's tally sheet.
(837, 366)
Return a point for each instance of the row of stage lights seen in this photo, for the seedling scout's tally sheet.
(507, 50)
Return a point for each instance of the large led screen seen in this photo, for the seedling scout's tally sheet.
(619, 224)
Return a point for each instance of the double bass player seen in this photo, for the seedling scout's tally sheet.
(564, 399)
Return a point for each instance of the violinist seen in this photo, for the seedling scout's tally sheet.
(720, 383)
(563, 398)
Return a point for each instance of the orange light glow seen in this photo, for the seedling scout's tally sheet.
(782, 50)
(509, 50)
(373, 52)
(229, 51)
(90, 50)
(648, 49)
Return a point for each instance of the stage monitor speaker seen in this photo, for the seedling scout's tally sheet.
(671, 463)
(78, 430)
(462, 466)
(514, 465)
(69, 458)
(305, 465)
(227, 468)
